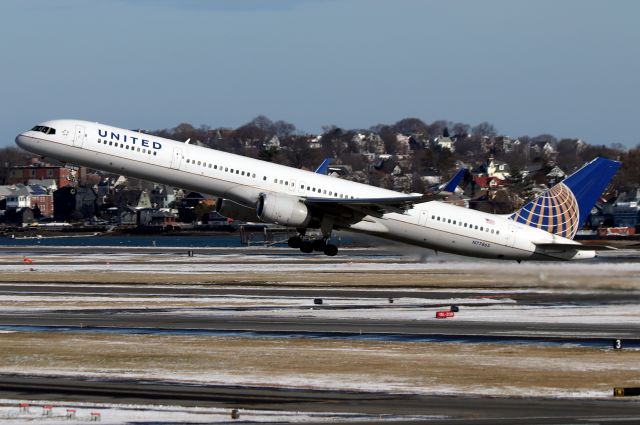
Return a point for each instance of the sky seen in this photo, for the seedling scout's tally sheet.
(568, 68)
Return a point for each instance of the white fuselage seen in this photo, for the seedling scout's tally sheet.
(434, 225)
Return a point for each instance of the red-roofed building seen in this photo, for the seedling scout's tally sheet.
(486, 182)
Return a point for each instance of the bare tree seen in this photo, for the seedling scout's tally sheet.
(484, 129)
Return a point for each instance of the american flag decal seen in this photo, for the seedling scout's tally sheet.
(490, 221)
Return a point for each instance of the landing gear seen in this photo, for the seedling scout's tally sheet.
(308, 246)
(319, 245)
(295, 242)
(330, 250)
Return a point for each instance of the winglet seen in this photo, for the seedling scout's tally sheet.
(324, 167)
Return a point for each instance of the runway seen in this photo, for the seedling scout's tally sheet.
(151, 322)
(451, 410)
(527, 345)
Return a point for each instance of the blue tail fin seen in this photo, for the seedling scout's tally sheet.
(563, 209)
(324, 167)
(451, 185)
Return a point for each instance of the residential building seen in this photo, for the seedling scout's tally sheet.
(22, 174)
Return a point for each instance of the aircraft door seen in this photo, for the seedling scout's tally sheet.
(301, 188)
(292, 185)
(176, 160)
(80, 137)
(512, 235)
(424, 215)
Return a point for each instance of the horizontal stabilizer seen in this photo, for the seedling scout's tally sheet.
(575, 247)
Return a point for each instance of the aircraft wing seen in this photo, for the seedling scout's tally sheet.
(366, 206)
(575, 247)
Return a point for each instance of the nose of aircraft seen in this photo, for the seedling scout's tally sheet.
(21, 140)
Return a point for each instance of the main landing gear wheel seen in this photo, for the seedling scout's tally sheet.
(295, 242)
(330, 250)
(306, 247)
(319, 245)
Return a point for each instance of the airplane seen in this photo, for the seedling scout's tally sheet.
(250, 189)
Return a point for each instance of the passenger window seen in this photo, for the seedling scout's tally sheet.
(215, 167)
(210, 165)
(264, 178)
(497, 232)
(481, 228)
(253, 175)
(243, 173)
(226, 169)
(454, 222)
(433, 217)
(199, 162)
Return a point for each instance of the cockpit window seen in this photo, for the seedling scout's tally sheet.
(43, 129)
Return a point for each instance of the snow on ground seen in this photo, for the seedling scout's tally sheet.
(241, 263)
(111, 414)
(474, 309)
(500, 310)
(26, 303)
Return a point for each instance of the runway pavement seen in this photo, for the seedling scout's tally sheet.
(449, 410)
(264, 322)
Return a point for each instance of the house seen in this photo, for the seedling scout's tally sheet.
(488, 182)
(445, 143)
(19, 197)
(134, 198)
(556, 175)
(50, 184)
(161, 219)
(74, 203)
(403, 144)
(22, 174)
(41, 199)
(498, 169)
(162, 197)
(543, 147)
(273, 143)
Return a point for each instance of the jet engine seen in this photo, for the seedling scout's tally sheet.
(282, 209)
(234, 210)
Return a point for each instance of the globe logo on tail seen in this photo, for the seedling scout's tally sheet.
(555, 211)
